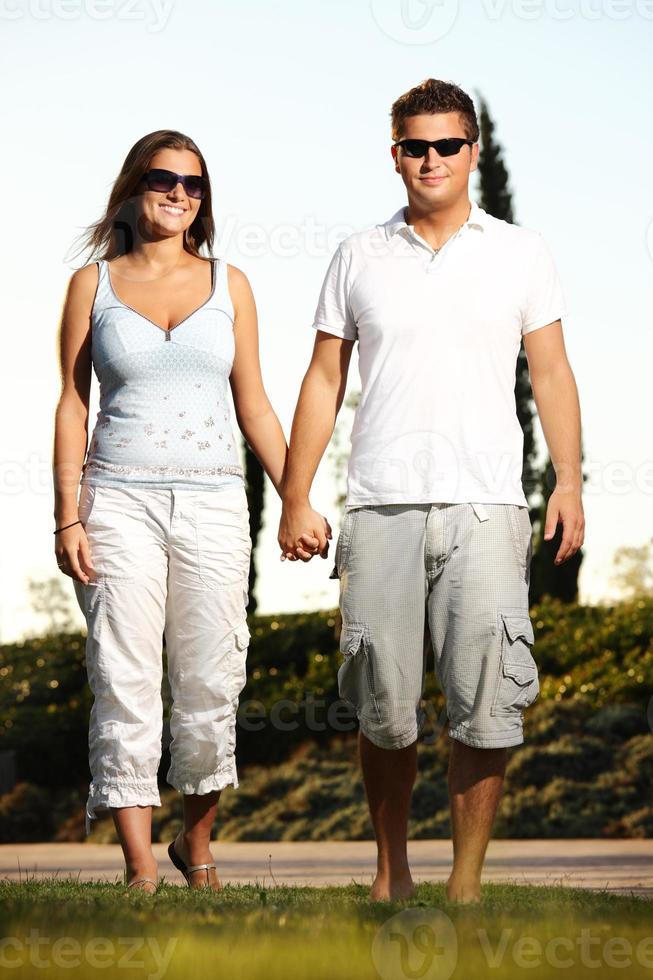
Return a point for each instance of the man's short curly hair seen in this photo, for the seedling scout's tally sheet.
(434, 95)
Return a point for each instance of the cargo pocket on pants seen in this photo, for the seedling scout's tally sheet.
(237, 680)
(355, 675)
(518, 684)
(239, 660)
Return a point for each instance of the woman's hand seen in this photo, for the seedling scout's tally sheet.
(73, 554)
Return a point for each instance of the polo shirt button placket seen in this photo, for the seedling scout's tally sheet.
(432, 264)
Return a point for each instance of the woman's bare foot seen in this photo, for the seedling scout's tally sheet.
(392, 887)
(133, 874)
(137, 884)
(192, 854)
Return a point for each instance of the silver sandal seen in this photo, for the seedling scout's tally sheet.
(188, 869)
(137, 881)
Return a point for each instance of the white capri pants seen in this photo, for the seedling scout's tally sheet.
(171, 562)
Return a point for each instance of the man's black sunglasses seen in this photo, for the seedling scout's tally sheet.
(444, 148)
(164, 181)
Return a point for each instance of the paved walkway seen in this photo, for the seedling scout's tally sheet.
(617, 866)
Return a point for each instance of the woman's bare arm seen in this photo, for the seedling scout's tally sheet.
(256, 417)
(71, 417)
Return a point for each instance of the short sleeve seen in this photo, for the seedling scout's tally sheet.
(333, 313)
(544, 301)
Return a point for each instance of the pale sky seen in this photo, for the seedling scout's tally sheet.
(290, 103)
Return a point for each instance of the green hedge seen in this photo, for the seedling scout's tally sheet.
(586, 766)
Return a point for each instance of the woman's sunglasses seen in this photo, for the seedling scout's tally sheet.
(444, 148)
(163, 181)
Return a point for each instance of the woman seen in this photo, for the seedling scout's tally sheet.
(158, 541)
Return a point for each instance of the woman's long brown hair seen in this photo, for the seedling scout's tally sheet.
(113, 234)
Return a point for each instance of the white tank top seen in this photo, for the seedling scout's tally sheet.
(164, 416)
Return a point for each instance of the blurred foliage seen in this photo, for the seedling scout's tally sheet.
(585, 768)
(633, 575)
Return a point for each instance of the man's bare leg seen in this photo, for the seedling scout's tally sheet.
(475, 785)
(389, 775)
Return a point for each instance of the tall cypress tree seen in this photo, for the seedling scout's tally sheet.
(255, 486)
(560, 581)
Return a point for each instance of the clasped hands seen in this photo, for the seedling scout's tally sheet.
(303, 533)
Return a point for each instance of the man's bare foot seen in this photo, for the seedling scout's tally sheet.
(464, 891)
(205, 878)
(390, 888)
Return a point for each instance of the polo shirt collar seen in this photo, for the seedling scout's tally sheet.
(397, 223)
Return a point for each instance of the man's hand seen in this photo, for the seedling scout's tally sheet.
(565, 506)
(303, 533)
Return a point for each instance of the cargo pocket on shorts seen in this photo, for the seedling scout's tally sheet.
(518, 684)
(355, 675)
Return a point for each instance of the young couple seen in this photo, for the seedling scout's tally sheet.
(433, 557)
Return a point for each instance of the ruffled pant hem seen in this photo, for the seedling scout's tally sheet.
(129, 792)
(198, 785)
(119, 793)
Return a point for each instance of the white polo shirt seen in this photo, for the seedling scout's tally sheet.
(438, 338)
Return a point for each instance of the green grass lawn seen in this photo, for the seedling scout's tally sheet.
(61, 928)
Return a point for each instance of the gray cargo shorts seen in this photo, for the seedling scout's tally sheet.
(450, 579)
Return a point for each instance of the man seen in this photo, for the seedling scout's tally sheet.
(435, 548)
